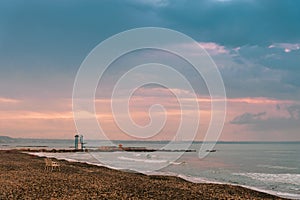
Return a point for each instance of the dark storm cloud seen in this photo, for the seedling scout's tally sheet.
(248, 118)
(236, 23)
(264, 71)
(274, 58)
(46, 41)
(263, 123)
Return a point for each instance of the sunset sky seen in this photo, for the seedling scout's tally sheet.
(254, 43)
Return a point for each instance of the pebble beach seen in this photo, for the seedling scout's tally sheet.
(23, 176)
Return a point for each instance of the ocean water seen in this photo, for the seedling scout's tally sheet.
(269, 167)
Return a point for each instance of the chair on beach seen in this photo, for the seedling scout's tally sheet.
(50, 164)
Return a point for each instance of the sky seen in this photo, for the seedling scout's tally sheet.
(254, 43)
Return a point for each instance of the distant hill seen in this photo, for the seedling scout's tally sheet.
(6, 139)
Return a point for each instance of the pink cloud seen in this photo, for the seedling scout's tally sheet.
(48, 119)
(214, 48)
(7, 115)
(211, 47)
(8, 100)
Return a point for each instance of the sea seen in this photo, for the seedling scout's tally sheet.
(270, 167)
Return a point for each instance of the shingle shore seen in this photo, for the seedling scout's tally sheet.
(22, 176)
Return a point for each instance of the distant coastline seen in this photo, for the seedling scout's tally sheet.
(8, 139)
